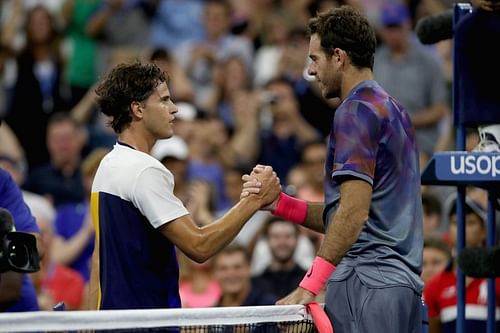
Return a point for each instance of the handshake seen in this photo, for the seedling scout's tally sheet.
(262, 184)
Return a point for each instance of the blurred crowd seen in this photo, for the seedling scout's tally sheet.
(237, 74)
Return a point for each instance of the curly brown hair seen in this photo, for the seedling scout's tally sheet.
(349, 30)
(127, 83)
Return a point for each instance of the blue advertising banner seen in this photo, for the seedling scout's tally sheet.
(458, 167)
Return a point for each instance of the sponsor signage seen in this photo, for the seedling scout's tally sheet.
(462, 166)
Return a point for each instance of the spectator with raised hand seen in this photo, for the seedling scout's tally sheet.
(282, 141)
(199, 57)
(230, 76)
(176, 22)
(80, 72)
(242, 148)
(120, 24)
(182, 89)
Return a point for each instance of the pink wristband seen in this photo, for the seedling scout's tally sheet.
(317, 275)
(291, 209)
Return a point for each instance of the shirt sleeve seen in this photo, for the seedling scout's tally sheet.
(356, 133)
(153, 195)
(11, 199)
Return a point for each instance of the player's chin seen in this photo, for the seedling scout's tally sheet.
(167, 134)
(327, 94)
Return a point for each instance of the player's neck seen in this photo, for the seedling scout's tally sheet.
(352, 77)
(134, 137)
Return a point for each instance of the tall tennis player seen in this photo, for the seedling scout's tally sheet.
(372, 213)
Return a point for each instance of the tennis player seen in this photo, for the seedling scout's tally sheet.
(372, 214)
(138, 219)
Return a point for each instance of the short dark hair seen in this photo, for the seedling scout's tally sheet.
(272, 220)
(431, 204)
(349, 30)
(234, 248)
(127, 83)
(437, 243)
(62, 117)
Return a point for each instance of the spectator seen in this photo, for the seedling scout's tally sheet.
(197, 288)
(182, 89)
(120, 24)
(81, 71)
(313, 158)
(61, 179)
(176, 22)
(432, 214)
(283, 274)
(440, 292)
(283, 141)
(199, 56)
(437, 256)
(412, 75)
(230, 77)
(36, 86)
(232, 271)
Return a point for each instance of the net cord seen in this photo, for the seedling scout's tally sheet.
(55, 321)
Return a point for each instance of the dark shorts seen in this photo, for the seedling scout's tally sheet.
(354, 308)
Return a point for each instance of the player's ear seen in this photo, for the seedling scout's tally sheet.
(340, 55)
(137, 110)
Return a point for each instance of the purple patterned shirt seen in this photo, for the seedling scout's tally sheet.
(373, 139)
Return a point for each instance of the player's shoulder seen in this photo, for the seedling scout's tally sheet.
(124, 166)
(356, 108)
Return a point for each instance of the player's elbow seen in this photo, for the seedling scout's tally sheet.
(197, 257)
(200, 250)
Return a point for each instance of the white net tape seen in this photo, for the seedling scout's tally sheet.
(137, 319)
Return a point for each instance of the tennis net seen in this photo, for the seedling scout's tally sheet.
(257, 319)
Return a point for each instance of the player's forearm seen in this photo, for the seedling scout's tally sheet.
(213, 237)
(314, 217)
(343, 231)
